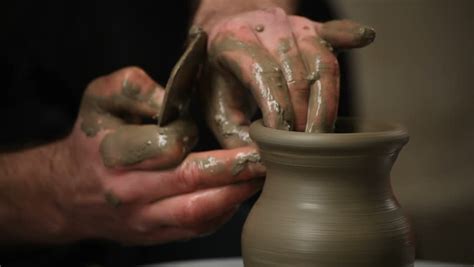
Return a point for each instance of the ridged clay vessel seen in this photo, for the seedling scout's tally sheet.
(327, 199)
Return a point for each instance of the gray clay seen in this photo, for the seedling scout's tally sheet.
(327, 200)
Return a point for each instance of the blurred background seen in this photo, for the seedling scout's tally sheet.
(418, 72)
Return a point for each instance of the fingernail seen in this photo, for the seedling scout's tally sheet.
(367, 34)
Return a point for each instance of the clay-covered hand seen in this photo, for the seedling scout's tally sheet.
(129, 180)
(285, 63)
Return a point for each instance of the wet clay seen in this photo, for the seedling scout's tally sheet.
(324, 86)
(131, 104)
(243, 159)
(266, 81)
(131, 144)
(223, 98)
(284, 46)
(347, 34)
(210, 165)
(327, 199)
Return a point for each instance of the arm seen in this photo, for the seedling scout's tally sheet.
(30, 207)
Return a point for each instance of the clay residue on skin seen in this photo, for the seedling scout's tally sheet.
(107, 112)
(194, 30)
(326, 44)
(259, 28)
(367, 34)
(133, 92)
(211, 165)
(223, 100)
(229, 129)
(284, 46)
(266, 78)
(132, 144)
(94, 117)
(111, 199)
(242, 159)
(324, 90)
(312, 77)
(273, 106)
(347, 34)
(319, 120)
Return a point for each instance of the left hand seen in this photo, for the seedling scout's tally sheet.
(287, 63)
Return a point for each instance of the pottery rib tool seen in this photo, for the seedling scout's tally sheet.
(182, 77)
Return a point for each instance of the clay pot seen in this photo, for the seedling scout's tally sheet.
(327, 200)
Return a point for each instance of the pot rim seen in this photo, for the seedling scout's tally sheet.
(389, 133)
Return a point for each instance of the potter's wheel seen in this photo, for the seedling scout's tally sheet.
(237, 262)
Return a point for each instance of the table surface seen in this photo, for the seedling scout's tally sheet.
(237, 262)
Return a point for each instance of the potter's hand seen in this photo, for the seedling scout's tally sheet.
(118, 178)
(286, 62)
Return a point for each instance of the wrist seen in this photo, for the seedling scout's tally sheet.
(30, 205)
(210, 12)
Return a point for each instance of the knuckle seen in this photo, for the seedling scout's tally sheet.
(132, 71)
(300, 20)
(188, 176)
(329, 64)
(276, 11)
(300, 87)
(233, 27)
(234, 24)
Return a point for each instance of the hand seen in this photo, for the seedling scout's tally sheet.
(122, 179)
(286, 62)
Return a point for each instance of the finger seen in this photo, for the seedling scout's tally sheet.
(228, 108)
(272, 28)
(196, 208)
(323, 71)
(128, 94)
(209, 227)
(346, 34)
(198, 171)
(129, 89)
(237, 50)
(138, 147)
(152, 234)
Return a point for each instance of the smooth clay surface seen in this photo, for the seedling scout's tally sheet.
(327, 200)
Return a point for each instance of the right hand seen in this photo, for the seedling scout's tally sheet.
(135, 183)
(286, 62)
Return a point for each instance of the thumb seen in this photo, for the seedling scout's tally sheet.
(127, 95)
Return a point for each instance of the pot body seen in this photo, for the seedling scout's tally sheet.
(327, 200)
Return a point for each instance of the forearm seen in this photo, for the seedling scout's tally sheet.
(29, 193)
(210, 11)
